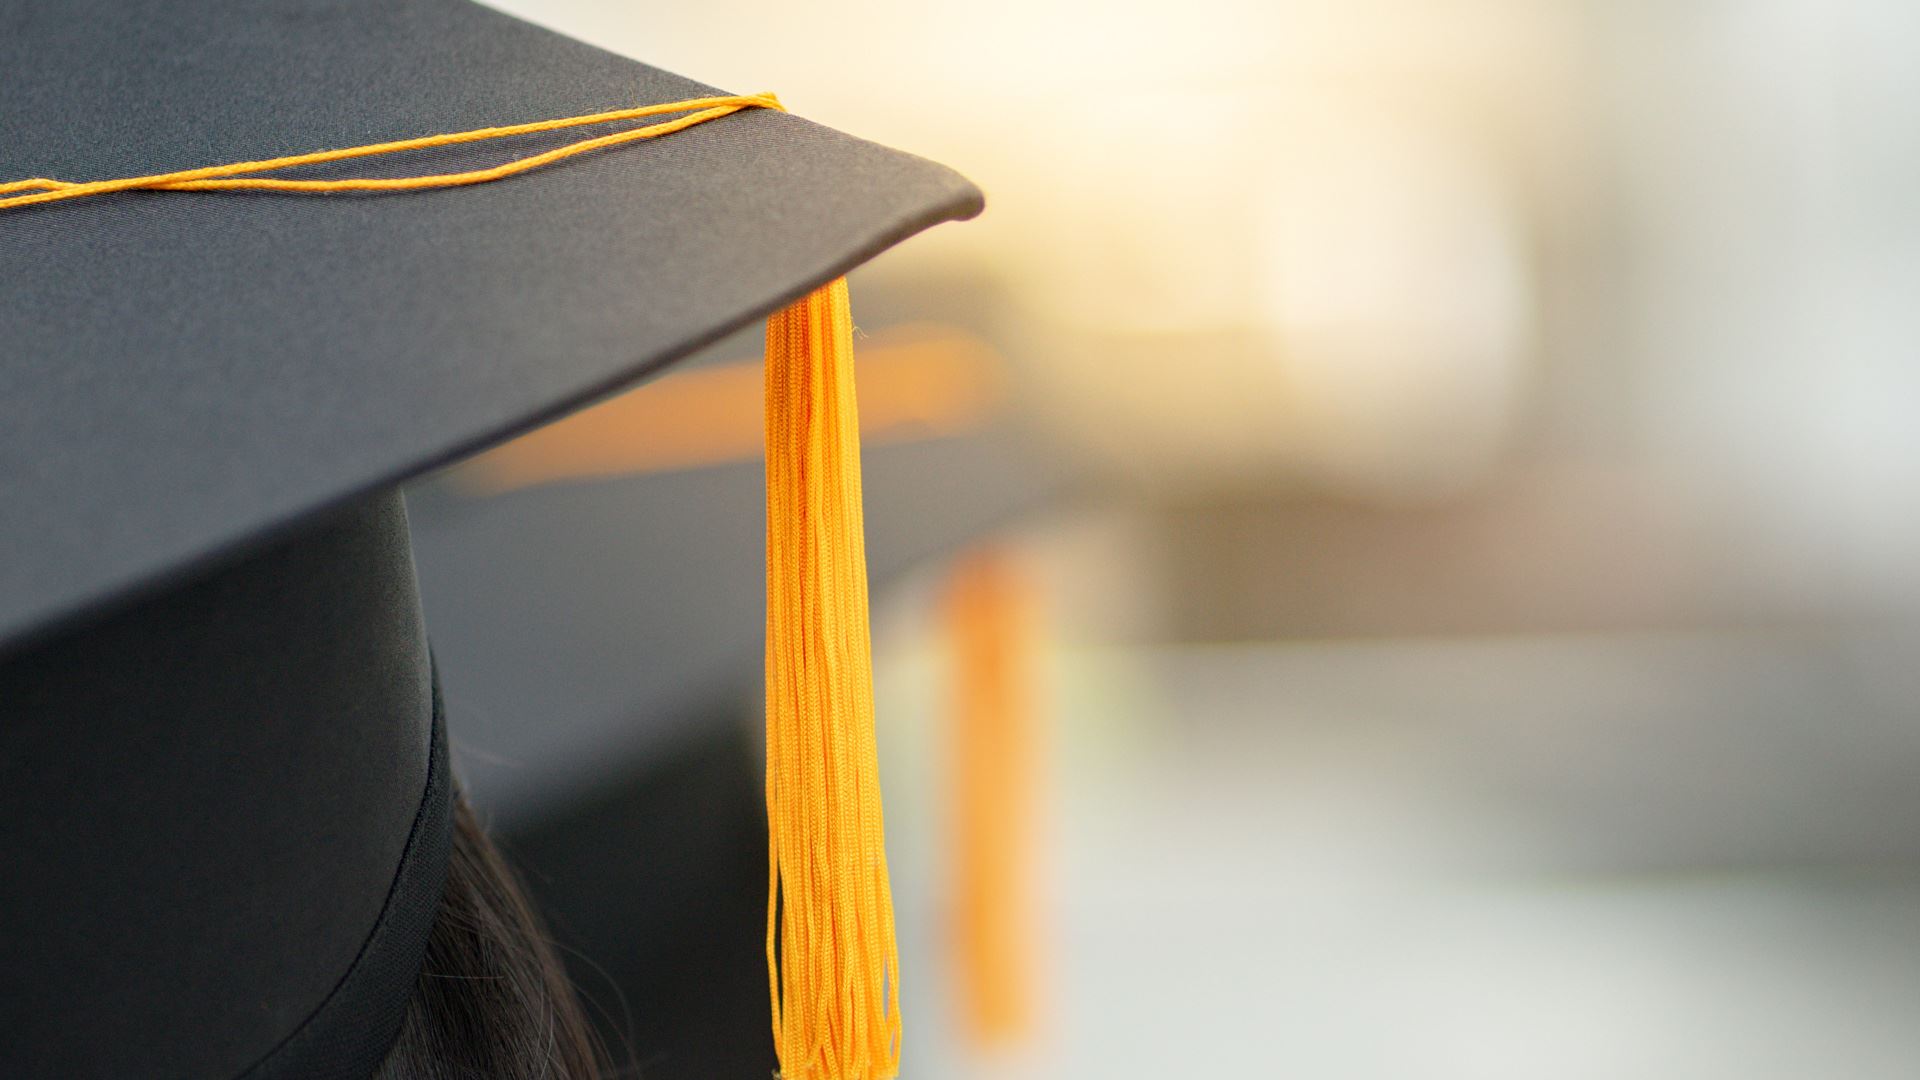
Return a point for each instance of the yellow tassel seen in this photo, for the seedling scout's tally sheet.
(833, 969)
(994, 753)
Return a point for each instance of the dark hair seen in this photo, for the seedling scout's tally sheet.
(493, 1001)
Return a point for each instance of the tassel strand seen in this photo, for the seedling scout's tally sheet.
(833, 969)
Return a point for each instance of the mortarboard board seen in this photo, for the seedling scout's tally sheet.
(222, 776)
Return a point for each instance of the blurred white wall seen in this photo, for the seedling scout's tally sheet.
(1765, 156)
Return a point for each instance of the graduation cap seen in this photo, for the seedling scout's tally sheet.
(223, 786)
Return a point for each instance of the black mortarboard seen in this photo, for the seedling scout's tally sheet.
(222, 778)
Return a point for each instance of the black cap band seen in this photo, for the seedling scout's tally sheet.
(224, 819)
(348, 1036)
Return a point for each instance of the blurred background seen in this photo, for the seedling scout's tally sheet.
(1393, 539)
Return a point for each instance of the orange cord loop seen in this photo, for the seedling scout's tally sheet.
(234, 176)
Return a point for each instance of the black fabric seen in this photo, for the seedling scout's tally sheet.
(180, 373)
(349, 1035)
(204, 802)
